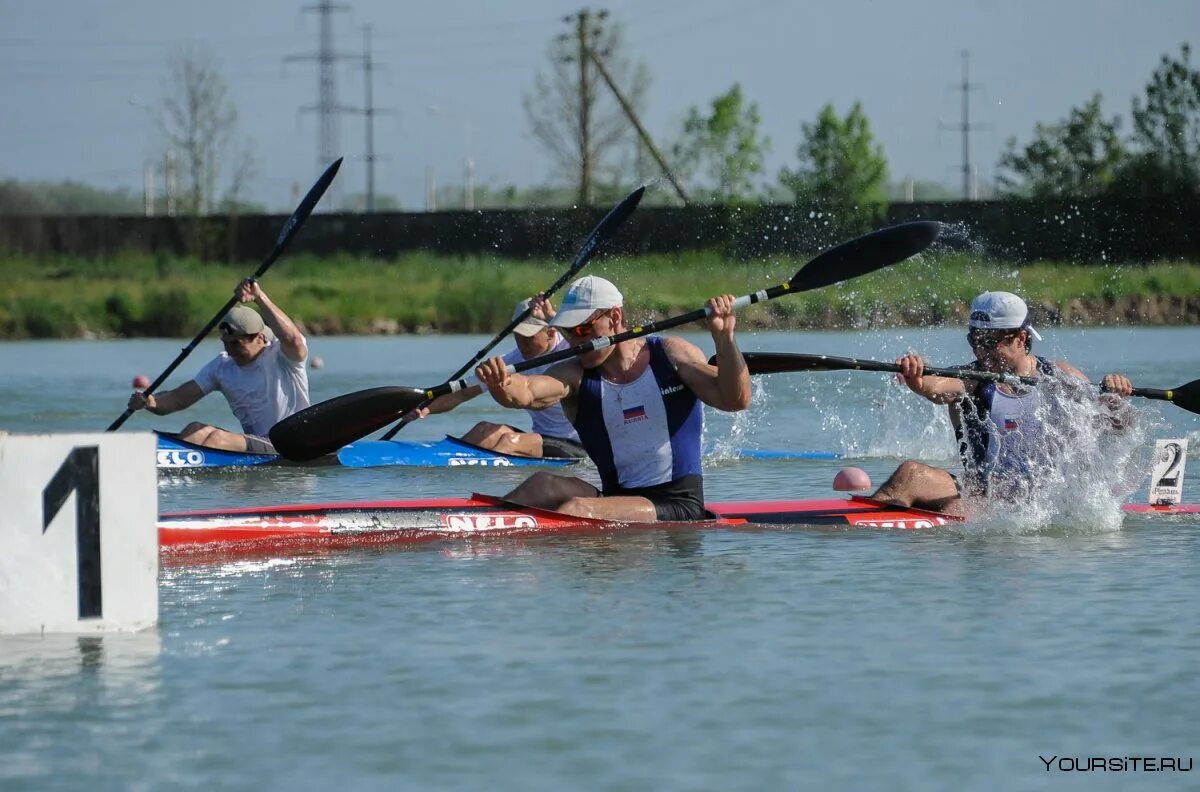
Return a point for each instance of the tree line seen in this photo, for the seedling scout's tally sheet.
(583, 107)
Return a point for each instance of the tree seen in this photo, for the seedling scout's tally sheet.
(1166, 130)
(573, 114)
(726, 143)
(199, 121)
(842, 169)
(1080, 156)
(65, 198)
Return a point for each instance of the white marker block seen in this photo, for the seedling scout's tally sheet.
(1166, 478)
(77, 528)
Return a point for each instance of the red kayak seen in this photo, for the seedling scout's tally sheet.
(410, 521)
(254, 530)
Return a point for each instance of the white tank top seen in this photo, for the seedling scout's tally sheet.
(262, 393)
(644, 433)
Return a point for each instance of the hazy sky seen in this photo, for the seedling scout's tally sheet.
(76, 77)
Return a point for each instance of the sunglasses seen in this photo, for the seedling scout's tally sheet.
(585, 328)
(988, 340)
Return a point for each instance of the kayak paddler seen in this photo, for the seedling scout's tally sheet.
(552, 434)
(636, 406)
(1002, 430)
(261, 374)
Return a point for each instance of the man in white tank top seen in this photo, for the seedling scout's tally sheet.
(996, 425)
(552, 434)
(636, 406)
(261, 374)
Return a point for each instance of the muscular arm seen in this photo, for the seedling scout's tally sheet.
(1121, 414)
(530, 392)
(939, 390)
(444, 404)
(167, 402)
(725, 386)
(291, 340)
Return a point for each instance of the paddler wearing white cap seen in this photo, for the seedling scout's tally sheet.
(552, 434)
(1000, 432)
(261, 374)
(636, 405)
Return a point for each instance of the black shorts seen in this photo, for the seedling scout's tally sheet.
(561, 448)
(681, 500)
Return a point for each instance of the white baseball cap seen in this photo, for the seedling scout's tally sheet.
(586, 296)
(532, 325)
(998, 310)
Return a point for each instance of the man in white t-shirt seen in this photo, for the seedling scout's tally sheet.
(552, 434)
(261, 374)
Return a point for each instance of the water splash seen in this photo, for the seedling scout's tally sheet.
(1091, 467)
(723, 447)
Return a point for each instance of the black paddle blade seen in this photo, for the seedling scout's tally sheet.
(784, 362)
(617, 215)
(307, 205)
(866, 254)
(326, 427)
(1187, 396)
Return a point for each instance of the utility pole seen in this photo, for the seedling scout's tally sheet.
(637, 124)
(148, 188)
(170, 188)
(585, 33)
(327, 108)
(369, 111)
(970, 187)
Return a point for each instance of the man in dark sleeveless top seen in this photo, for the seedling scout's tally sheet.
(636, 406)
(1000, 430)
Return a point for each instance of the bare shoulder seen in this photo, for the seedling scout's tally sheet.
(680, 350)
(569, 372)
(1069, 369)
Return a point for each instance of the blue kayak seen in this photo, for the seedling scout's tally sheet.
(175, 454)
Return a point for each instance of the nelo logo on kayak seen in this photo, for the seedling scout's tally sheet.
(469, 461)
(910, 522)
(468, 523)
(180, 458)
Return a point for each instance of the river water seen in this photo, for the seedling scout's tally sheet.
(773, 659)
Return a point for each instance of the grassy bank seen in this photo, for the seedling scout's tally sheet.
(144, 296)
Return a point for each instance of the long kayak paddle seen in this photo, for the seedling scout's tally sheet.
(600, 234)
(1185, 396)
(325, 427)
(285, 236)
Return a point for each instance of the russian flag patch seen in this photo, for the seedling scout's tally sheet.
(1010, 424)
(634, 414)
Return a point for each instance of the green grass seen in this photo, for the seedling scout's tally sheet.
(148, 296)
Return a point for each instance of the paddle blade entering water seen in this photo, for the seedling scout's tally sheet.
(326, 427)
(866, 254)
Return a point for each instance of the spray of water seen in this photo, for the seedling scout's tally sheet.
(723, 440)
(1093, 454)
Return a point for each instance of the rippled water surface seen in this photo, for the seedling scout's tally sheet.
(772, 659)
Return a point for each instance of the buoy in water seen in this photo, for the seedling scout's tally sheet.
(316, 362)
(851, 479)
(141, 382)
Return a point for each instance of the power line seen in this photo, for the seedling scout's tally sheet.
(369, 111)
(327, 107)
(970, 184)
